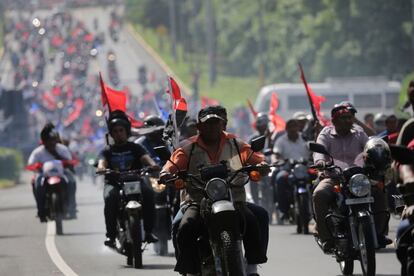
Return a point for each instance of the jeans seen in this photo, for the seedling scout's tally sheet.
(405, 250)
(284, 191)
(69, 192)
(111, 199)
(191, 226)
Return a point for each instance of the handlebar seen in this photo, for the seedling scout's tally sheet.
(116, 172)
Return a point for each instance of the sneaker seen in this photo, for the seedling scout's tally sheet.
(42, 219)
(110, 242)
(150, 238)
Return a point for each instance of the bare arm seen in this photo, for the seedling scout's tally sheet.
(368, 130)
(102, 165)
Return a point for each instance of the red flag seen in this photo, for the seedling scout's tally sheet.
(181, 105)
(205, 101)
(86, 127)
(135, 123)
(116, 100)
(252, 110)
(175, 93)
(77, 108)
(315, 99)
(49, 101)
(277, 121)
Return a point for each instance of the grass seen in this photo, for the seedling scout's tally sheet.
(228, 90)
(6, 183)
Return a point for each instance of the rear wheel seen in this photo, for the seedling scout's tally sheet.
(136, 235)
(366, 247)
(56, 212)
(347, 267)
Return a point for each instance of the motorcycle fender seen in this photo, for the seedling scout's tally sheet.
(133, 206)
(222, 205)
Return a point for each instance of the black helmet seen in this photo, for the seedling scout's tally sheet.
(262, 119)
(377, 155)
(344, 106)
(153, 120)
(48, 132)
(119, 118)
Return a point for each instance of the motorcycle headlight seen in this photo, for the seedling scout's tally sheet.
(359, 185)
(300, 171)
(216, 189)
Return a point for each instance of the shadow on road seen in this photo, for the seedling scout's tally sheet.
(10, 236)
(158, 266)
(83, 233)
(17, 208)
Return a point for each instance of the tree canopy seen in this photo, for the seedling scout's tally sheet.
(332, 38)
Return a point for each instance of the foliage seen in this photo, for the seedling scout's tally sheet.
(332, 38)
(11, 163)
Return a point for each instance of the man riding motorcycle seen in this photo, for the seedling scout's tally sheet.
(289, 146)
(345, 142)
(52, 149)
(211, 146)
(122, 156)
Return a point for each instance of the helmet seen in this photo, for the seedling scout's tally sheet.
(350, 106)
(119, 118)
(153, 120)
(262, 119)
(377, 155)
(342, 107)
(48, 132)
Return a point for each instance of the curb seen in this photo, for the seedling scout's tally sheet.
(156, 57)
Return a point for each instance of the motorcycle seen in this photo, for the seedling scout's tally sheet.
(54, 179)
(129, 240)
(350, 221)
(301, 180)
(163, 215)
(220, 247)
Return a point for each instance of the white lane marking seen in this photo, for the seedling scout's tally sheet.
(54, 253)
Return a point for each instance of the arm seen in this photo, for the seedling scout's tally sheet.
(368, 130)
(102, 165)
(323, 140)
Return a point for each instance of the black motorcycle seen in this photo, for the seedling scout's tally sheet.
(220, 248)
(129, 240)
(163, 214)
(350, 221)
(301, 180)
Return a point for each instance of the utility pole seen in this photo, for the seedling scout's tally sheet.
(262, 71)
(173, 29)
(211, 41)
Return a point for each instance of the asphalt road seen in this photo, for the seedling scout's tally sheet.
(27, 246)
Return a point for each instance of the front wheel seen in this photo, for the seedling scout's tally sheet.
(135, 247)
(347, 267)
(57, 214)
(232, 261)
(366, 247)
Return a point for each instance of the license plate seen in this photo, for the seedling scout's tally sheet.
(353, 201)
(132, 187)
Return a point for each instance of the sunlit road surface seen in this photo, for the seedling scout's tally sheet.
(23, 240)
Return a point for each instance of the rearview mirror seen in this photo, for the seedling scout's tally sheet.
(163, 153)
(258, 143)
(319, 148)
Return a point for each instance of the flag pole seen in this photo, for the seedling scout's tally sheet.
(302, 75)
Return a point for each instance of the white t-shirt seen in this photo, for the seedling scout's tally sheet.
(41, 155)
(291, 150)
